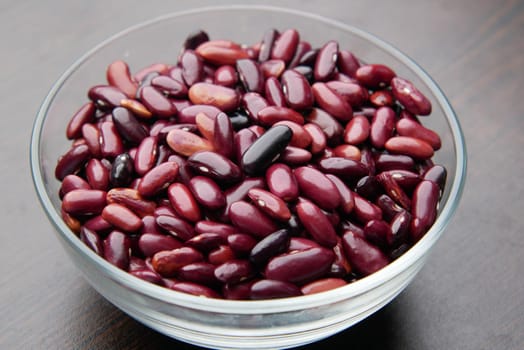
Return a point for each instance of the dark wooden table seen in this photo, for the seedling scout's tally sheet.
(470, 295)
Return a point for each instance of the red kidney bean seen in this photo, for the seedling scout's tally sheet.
(176, 226)
(184, 202)
(272, 68)
(99, 225)
(145, 158)
(388, 206)
(367, 158)
(224, 98)
(106, 96)
(399, 229)
(322, 285)
(207, 241)
(344, 168)
(273, 92)
(250, 75)
(234, 271)
(215, 166)
(148, 76)
(316, 223)
(194, 289)
(128, 126)
(158, 179)
(300, 266)
(295, 156)
(405, 178)
(364, 210)
(347, 201)
(238, 291)
(353, 93)
(84, 202)
(424, 208)
(149, 276)
(97, 175)
(111, 144)
(221, 52)
(297, 91)
(243, 139)
(301, 243)
(85, 114)
(410, 97)
(303, 47)
(270, 246)
(409, 146)
(347, 63)
(168, 262)
(381, 98)
(266, 46)
(385, 161)
(72, 161)
(269, 204)
(305, 71)
(259, 156)
(285, 45)
(273, 289)
(207, 226)
(409, 127)
(207, 193)
(192, 67)
(309, 58)
(121, 217)
(257, 130)
(437, 174)
(152, 243)
(156, 102)
(73, 182)
(250, 219)
(239, 192)
(326, 61)
(221, 255)
(270, 115)
(194, 39)
(318, 138)
(282, 182)
(119, 76)
(374, 75)
(241, 243)
(369, 187)
(225, 76)
(206, 126)
(239, 120)
(137, 264)
(186, 143)
(300, 138)
(223, 134)
(347, 151)
(253, 103)
(382, 126)
(364, 257)
(117, 248)
(92, 240)
(331, 102)
(157, 68)
(316, 186)
(329, 125)
(169, 86)
(377, 232)
(392, 188)
(202, 273)
(188, 114)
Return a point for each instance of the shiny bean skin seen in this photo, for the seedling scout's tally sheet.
(207, 241)
(73, 223)
(158, 179)
(295, 156)
(156, 102)
(225, 76)
(410, 97)
(332, 102)
(119, 76)
(239, 120)
(329, 125)
(206, 126)
(222, 254)
(273, 92)
(382, 126)
(318, 138)
(399, 229)
(111, 144)
(322, 285)
(243, 139)
(262, 153)
(273, 289)
(72, 161)
(266, 46)
(92, 240)
(215, 166)
(84, 202)
(374, 75)
(152, 69)
(85, 114)
(128, 126)
(347, 201)
(176, 226)
(348, 151)
(122, 170)
(424, 208)
(149, 276)
(437, 174)
(303, 47)
(121, 217)
(301, 243)
(409, 127)
(169, 86)
(273, 114)
(187, 143)
(194, 289)
(208, 226)
(316, 223)
(392, 188)
(285, 45)
(99, 225)
(207, 193)
(385, 161)
(223, 135)
(202, 273)
(250, 219)
(364, 210)
(344, 168)
(97, 175)
(250, 75)
(234, 271)
(300, 266)
(167, 262)
(369, 187)
(272, 68)
(347, 63)
(353, 93)
(117, 248)
(388, 206)
(316, 186)
(220, 53)
(241, 243)
(192, 67)
(364, 257)
(145, 158)
(381, 98)
(357, 130)
(309, 58)
(224, 98)
(194, 39)
(253, 103)
(184, 202)
(188, 114)
(405, 178)
(300, 138)
(73, 182)
(409, 146)
(152, 243)
(297, 91)
(239, 192)
(106, 96)
(238, 291)
(269, 204)
(282, 182)
(326, 61)
(377, 232)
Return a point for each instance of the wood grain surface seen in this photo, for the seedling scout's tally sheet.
(470, 294)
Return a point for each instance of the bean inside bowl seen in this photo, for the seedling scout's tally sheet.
(280, 322)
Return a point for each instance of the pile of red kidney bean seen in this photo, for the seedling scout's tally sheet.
(251, 172)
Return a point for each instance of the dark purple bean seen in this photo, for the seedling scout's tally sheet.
(152, 243)
(239, 120)
(234, 271)
(309, 58)
(262, 153)
(377, 232)
(199, 272)
(92, 240)
(300, 266)
(243, 139)
(84, 115)
(266, 46)
(316, 223)
(368, 187)
(346, 169)
(176, 227)
(194, 39)
(297, 90)
(316, 186)
(392, 188)
(223, 134)
(270, 246)
(437, 174)
(250, 75)
(128, 126)
(215, 166)
(192, 67)
(399, 229)
(146, 81)
(117, 248)
(388, 206)
(364, 257)
(273, 289)
(273, 92)
(326, 61)
(250, 219)
(207, 241)
(72, 161)
(424, 208)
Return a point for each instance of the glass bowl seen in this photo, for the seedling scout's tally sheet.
(277, 323)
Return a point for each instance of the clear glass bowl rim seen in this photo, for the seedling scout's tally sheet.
(260, 306)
